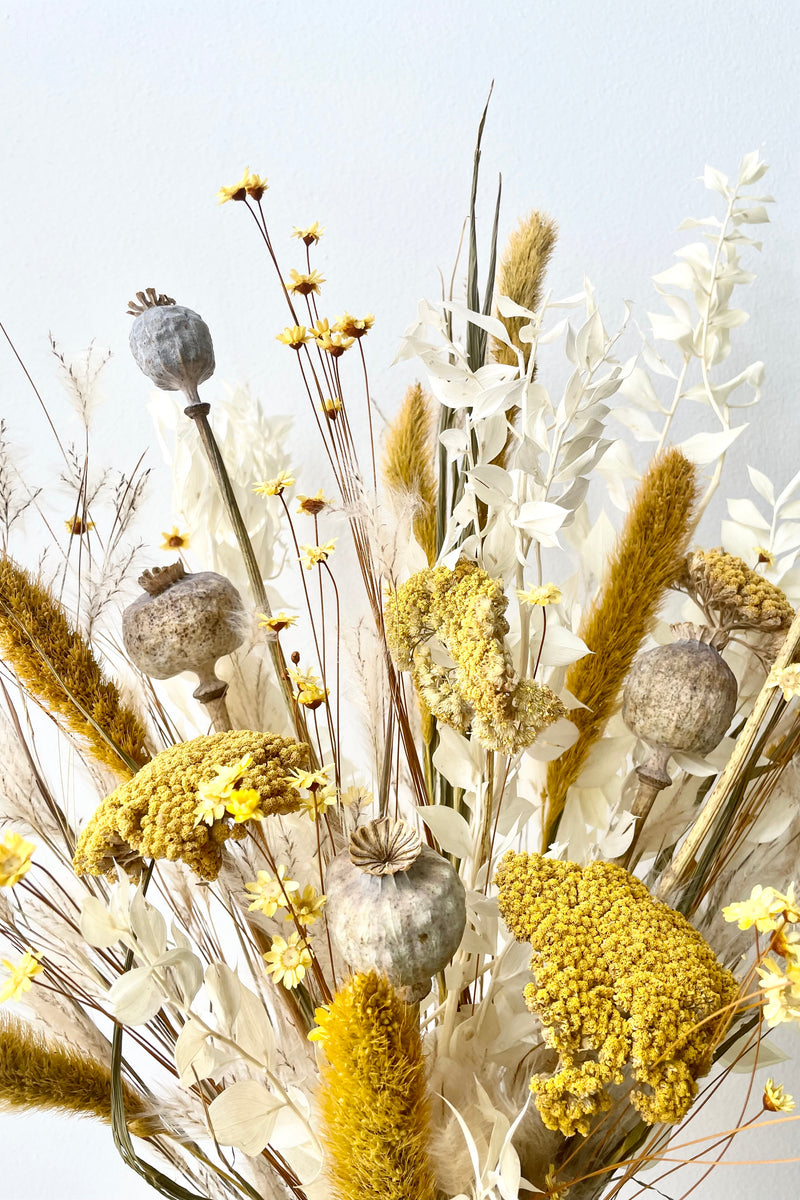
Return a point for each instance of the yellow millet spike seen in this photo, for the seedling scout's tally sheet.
(618, 976)
(372, 1097)
(464, 608)
(153, 814)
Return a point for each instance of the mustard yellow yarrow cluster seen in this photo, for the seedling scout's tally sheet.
(464, 608)
(621, 983)
(742, 598)
(372, 1097)
(154, 814)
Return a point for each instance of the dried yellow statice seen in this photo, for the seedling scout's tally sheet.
(739, 597)
(621, 985)
(372, 1097)
(56, 664)
(153, 815)
(464, 608)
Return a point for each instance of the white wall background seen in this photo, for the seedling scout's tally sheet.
(120, 121)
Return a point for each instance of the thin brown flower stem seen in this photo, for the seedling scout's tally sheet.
(541, 643)
(733, 772)
(322, 884)
(262, 228)
(324, 663)
(494, 827)
(198, 412)
(338, 742)
(369, 415)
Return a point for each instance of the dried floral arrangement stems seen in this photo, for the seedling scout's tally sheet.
(267, 926)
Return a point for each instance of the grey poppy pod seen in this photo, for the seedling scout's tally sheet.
(171, 344)
(395, 906)
(680, 697)
(184, 622)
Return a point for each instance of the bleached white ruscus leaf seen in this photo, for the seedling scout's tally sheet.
(244, 1116)
(459, 759)
(450, 829)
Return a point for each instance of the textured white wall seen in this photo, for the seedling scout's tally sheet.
(120, 121)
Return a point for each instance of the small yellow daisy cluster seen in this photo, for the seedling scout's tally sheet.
(15, 858)
(332, 341)
(621, 981)
(322, 794)
(464, 608)
(742, 598)
(312, 556)
(770, 911)
(154, 814)
(249, 185)
(310, 692)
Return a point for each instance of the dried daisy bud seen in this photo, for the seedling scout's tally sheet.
(184, 622)
(395, 906)
(171, 344)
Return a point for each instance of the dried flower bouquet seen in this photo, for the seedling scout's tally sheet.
(486, 942)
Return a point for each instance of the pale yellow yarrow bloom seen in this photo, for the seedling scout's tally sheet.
(274, 487)
(304, 283)
(277, 622)
(354, 327)
(287, 962)
(549, 593)
(312, 556)
(15, 858)
(787, 679)
(243, 804)
(270, 892)
(307, 906)
(249, 185)
(174, 539)
(294, 336)
(309, 233)
(765, 909)
(775, 1099)
(20, 976)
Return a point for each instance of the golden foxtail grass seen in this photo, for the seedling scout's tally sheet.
(35, 1073)
(57, 666)
(372, 1098)
(646, 560)
(408, 464)
(521, 277)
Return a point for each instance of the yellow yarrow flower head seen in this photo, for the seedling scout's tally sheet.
(312, 556)
(271, 892)
(295, 336)
(277, 622)
(20, 976)
(276, 486)
(15, 858)
(787, 679)
(307, 906)
(354, 327)
(76, 526)
(249, 185)
(287, 962)
(312, 505)
(304, 283)
(309, 233)
(549, 593)
(775, 1099)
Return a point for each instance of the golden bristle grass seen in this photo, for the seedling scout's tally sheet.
(57, 666)
(373, 1099)
(408, 464)
(35, 1073)
(647, 559)
(521, 276)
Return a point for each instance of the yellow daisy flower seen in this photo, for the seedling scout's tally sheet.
(274, 487)
(174, 540)
(354, 327)
(764, 909)
(307, 906)
(276, 623)
(304, 283)
(764, 556)
(331, 407)
(294, 336)
(310, 233)
(249, 185)
(775, 1099)
(287, 962)
(319, 800)
(306, 780)
(76, 526)
(312, 556)
(312, 697)
(312, 504)
(20, 975)
(787, 679)
(334, 344)
(321, 1016)
(15, 858)
(549, 593)
(243, 805)
(270, 892)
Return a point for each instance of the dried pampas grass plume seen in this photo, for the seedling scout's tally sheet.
(647, 559)
(521, 277)
(57, 666)
(408, 464)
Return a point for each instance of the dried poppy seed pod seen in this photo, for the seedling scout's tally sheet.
(395, 906)
(171, 344)
(679, 697)
(184, 623)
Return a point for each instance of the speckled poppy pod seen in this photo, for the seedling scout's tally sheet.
(171, 344)
(395, 906)
(184, 622)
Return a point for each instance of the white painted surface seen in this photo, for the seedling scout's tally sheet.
(120, 121)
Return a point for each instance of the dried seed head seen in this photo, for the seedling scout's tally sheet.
(384, 847)
(172, 346)
(149, 298)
